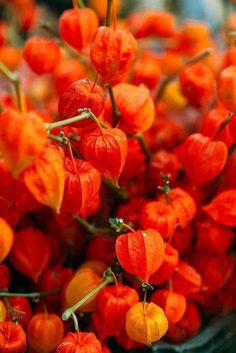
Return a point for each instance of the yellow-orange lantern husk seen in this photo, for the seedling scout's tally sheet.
(6, 239)
(81, 284)
(22, 139)
(45, 179)
(2, 311)
(146, 323)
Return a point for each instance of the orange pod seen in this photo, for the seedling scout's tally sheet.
(41, 54)
(78, 26)
(140, 253)
(136, 107)
(197, 83)
(226, 88)
(66, 72)
(212, 121)
(196, 152)
(22, 139)
(6, 239)
(113, 302)
(30, 253)
(106, 150)
(183, 205)
(12, 335)
(146, 323)
(2, 311)
(147, 70)
(102, 330)
(173, 304)
(79, 95)
(222, 208)
(187, 327)
(45, 332)
(81, 284)
(79, 342)
(213, 237)
(160, 216)
(152, 23)
(10, 56)
(82, 184)
(168, 266)
(186, 280)
(113, 51)
(45, 178)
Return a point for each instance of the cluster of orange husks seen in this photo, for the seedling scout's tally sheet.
(131, 119)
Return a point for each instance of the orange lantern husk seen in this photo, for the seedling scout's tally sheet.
(146, 323)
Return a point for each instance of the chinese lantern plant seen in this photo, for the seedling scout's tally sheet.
(137, 139)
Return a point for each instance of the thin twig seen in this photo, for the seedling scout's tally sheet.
(115, 111)
(91, 228)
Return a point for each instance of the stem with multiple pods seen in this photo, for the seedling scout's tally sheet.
(84, 114)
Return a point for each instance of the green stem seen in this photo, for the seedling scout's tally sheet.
(14, 78)
(30, 295)
(196, 58)
(85, 114)
(223, 125)
(120, 193)
(91, 228)
(12, 311)
(145, 148)
(69, 311)
(61, 140)
(108, 13)
(166, 186)
(75, 321)
(81, 3)
(115, 110)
